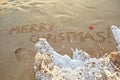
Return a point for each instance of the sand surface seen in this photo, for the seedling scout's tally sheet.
(83, 24)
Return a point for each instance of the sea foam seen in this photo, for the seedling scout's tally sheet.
(50, 65)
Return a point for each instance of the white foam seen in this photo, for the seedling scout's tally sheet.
(50, 65)
(116, 34)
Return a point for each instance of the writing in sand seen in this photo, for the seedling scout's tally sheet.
(50, 32)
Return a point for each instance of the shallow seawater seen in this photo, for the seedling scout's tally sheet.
(50, 65)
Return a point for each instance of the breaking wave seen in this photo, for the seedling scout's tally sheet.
(50, 65)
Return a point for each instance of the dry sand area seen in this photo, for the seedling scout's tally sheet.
(83, 24)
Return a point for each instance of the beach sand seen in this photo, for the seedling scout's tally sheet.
(83, 24)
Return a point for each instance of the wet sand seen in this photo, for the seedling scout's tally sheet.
(71, 24)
